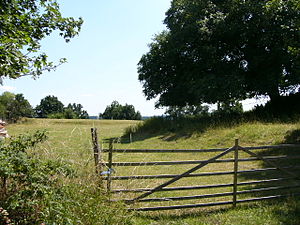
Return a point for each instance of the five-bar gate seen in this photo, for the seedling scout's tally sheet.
(286, 184)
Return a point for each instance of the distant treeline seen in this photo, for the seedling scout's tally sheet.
(15, 106)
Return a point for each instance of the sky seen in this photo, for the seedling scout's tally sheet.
(102, 60)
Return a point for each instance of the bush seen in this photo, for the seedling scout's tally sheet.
(29, 188)
(35, 191)
(56, 116)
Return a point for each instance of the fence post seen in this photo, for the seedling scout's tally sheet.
(97, 151)
(235, 178)
(110, 155)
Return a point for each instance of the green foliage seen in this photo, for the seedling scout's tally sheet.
(229, 107)
(284, 108)
(189, 110)
(49, 105)
(214, 51)
(75, 111)
(29, 187)
(56, 116)
(74, 194)
(4, 217)
(23, 25)
(228, 114)
(68, 114)
(119, 112)
(13, 107)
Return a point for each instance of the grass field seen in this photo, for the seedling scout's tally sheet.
(70, 141)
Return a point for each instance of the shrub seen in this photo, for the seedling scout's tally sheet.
(29, 188)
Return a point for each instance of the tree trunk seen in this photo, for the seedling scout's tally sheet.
(274, 93)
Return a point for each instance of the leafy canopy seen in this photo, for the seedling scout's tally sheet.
(216, 51)
(23, 24)
(119, 112)
(49, 105)
(30, 187)
(14, 106)
(75, 111)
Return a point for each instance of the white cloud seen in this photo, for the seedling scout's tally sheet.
(7, 88)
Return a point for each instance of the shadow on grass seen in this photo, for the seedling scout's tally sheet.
(292, 161)
(291, 164)
(174, 129)
(128, 138)
(181, 215)
(282, 211)
(169, 129)
(271, 212)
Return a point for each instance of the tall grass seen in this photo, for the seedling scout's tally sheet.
(81, 199)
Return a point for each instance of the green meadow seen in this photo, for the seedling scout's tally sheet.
(70, 142)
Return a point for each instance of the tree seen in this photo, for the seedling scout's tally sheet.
(116, 111)
(5, 99)
(13, 107)
(23, 24)
(49, 105)
(75, 111)
(69, 114)
(19, 107)
(215, 51)
(189, 110)
(229, 107)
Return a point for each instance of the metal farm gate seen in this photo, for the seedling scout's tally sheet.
(283, 181)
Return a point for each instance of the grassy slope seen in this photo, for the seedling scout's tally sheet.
(70, 140)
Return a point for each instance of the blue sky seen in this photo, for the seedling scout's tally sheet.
(102, 60)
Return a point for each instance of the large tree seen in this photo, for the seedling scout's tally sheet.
(49, 105)
(23, 24)
(119, 112)
(75, 111)
(14, 106)
(216, 51)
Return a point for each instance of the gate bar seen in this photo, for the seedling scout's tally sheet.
(184, 174)
(265, 159)
(210, 204)
(255, 190)
(163, 176)
(202, 186)
(235, 170)
(186, 162)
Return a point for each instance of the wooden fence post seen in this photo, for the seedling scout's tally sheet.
(235, 174)
(97, 151)
(110, 155)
